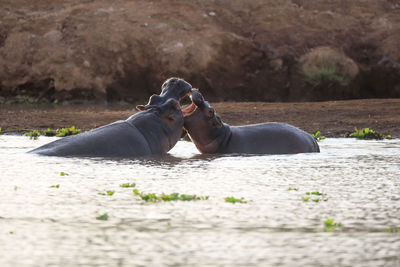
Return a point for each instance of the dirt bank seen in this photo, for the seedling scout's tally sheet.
(332, 118)
(260, 50)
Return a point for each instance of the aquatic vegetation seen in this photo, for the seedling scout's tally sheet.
(310, 196)
(152, 197)
(393, 230)
(127, 185)
(55, 186)
(55, 102)
(317, 136)
(292, 188)
(107, 193)
(314, 193)
(103, 217)
(235, 200)
(63, 173)
(331, 225)
(368, 134)
(34, 134)
(49, 132)
(68, 131)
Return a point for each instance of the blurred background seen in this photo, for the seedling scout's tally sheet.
(259, 50)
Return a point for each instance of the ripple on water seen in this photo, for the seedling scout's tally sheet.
(43, 225)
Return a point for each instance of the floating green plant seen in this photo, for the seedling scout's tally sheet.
(235, 200)
(314, 193)
(368, 134)
(317, 136)
(103, 217)
(292, 188)
(331, 225)
(49, 132)
(55, 186)
(68, 131)
(393, 230)
(34, 134)
(107, 193)
(152, 197)
(310, 196)
(127, 185)
(63, 173)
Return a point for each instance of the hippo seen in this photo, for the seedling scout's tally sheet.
(211, 135)
(152, 131)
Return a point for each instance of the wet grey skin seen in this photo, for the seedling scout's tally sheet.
(211, 135)
(153, 131)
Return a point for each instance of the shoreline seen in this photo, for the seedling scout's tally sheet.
(331, 118)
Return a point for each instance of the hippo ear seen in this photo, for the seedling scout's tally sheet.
(143, 107)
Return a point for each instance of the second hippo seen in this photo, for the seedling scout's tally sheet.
(211, 135)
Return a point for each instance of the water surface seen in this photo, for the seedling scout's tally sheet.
(45, 226)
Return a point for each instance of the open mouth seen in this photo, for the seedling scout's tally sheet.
(187, 105)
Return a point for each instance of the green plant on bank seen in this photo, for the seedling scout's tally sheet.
(107, 193)
(325, 72)
(55, 186)
(49, 132)
(103, 217)
(68, 131)
(317, 136)
(18, 100)
(22, 100)
(34, 134)
(127, 185)
(393, 230)
(63, 173)
(235, 200)
(152, 197)
(368, 134)
(331, 225)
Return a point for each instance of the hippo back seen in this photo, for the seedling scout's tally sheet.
(118, 139)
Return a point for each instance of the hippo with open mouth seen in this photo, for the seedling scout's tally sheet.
(211, 135)
(152, 131)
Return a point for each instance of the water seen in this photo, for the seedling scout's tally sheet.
(45, 226)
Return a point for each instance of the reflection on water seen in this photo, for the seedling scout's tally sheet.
(45, 226)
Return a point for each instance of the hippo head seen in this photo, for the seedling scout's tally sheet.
(161, 125)
(174, 88)
(204, 126)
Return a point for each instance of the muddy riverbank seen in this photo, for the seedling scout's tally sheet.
(332, 118)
